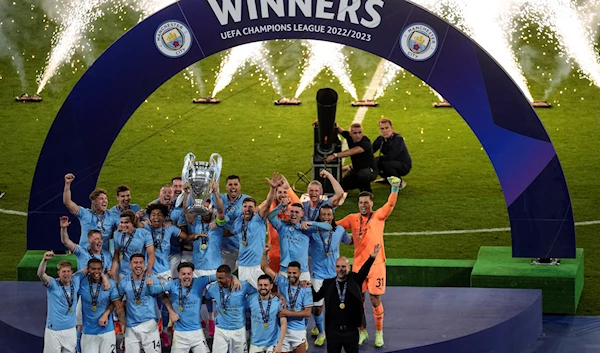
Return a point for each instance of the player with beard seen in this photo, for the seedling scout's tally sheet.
(294, 243)
(207, 244)
(98, 300)
(315, 193)
(60, 335)
(129, 241)
(123, 199)
(83, 255)
(284, 193)
(232, 202)
(324, 250)
(268, 329)
(230, 333)
(142, 315)
(185, 294)
(298, 300)
(367, 230)
(96, 217)
(162, 235)
(250, 228)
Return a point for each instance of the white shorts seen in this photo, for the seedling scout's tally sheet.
(62, 341)
(164, 277)
(293, 339)
(202, 273)
(183, 341)
(233, 341)
(230, 258)
(304, 276)
(317, 284)
(261, 349)
(250, 274)
(104, 343)
(145, 334)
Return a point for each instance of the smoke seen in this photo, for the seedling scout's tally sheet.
(562, 71)
(8, 49)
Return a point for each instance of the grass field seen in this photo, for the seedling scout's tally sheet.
(452, 185)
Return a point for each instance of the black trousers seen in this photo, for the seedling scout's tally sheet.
(392, 168)
(359, 179)
(342, 337)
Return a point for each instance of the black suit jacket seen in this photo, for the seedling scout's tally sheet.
(355, 281)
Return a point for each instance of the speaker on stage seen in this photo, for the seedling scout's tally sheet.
(326, 139)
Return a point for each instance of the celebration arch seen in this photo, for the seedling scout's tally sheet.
(525, 161)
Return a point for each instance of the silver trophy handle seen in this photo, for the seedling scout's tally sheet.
(187, 162)
(216, 162)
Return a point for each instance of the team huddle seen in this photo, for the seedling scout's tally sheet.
(142, 271)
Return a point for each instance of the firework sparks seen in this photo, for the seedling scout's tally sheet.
(256, 54)
(321, 55)
(391, 71)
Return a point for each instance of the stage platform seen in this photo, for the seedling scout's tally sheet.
(417, 319)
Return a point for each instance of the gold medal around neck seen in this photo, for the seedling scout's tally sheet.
(180, 308)
(223, 310)
(342, 306)
(94, 308)
(265, 325)
(245, 243)
(138, 302)
(327, 254)
(292, 309)
(203, 247)
(121, 256)
(70, 310)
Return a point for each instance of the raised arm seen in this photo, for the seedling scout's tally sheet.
(264, 263)
(219, 203)
(41, 272)
(366, 267)
(121, 313)
(273, 183)
(64, 235)
(386, 210)
(71, 206)
(114, 269)
(337, 188)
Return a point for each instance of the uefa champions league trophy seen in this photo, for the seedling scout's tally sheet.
(199, 176)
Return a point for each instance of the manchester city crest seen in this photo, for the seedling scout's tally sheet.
(173, 39)
(418, 42)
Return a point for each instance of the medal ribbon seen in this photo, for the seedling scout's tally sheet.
(205, 230)
(265, 316)
(327, 241)
(292, 301)
(341, 294)
(244, 230)
(71, 298)
(312, 216)
(156, 239)
(360, 233)
(100, 220)
(125, 247)
(94, 293)
(231, 204)
(187, 293)
(137, 292)
(224, 298)
(104, 269)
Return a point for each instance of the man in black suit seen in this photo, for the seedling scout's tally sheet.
(344, 312)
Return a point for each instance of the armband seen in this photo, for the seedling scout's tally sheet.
(220, 222)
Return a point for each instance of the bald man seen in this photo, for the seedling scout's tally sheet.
(343, 300)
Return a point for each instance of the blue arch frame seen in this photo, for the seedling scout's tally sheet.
(511, 133)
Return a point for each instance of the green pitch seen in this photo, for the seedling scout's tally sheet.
(452, 185)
